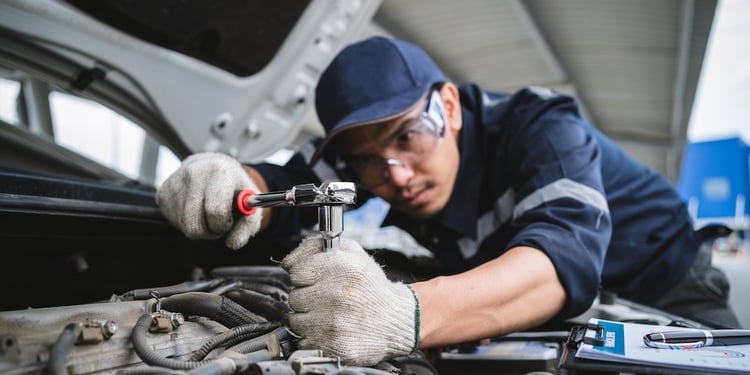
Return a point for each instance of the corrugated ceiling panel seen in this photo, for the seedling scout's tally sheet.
(622, 57)
(632, 66)
(482, 41)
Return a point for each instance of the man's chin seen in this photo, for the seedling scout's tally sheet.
(418, 212)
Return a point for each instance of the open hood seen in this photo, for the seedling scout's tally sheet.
(232, 76)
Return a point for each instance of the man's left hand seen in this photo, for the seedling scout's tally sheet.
(345, 305)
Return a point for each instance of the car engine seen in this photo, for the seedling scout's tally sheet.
(233, 322)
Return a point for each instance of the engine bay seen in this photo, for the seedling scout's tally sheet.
(232, 322)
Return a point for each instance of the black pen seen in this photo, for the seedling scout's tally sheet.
(692, 339)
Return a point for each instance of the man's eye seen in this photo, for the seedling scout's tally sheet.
(407, 137)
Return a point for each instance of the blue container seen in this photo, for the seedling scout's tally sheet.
(715, 182)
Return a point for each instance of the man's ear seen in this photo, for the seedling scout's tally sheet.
(452, 105)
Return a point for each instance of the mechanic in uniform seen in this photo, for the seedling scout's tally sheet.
(531, 211)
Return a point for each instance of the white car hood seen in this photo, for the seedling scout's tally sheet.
(199, 106)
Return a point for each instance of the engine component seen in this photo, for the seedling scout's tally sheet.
(233, 323)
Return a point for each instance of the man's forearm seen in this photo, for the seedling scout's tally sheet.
(516, 291)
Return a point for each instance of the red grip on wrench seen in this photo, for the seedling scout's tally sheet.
(242, 206)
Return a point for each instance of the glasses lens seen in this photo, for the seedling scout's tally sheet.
(409, 147)
(435, 112)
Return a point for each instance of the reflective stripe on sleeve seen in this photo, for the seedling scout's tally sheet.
(562, 188)
(504, 206)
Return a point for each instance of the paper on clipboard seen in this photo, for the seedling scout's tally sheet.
(623, 342)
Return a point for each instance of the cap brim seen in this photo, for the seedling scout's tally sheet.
(375, 113)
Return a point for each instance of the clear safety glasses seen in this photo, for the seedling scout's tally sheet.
(408, 146)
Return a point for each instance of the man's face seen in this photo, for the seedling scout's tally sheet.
(410, 161)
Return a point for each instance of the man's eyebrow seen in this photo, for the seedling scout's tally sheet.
(397, 130)
(393, 132)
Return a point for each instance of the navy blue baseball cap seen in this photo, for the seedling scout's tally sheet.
(371, 81)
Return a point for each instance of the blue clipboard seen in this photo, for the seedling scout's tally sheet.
(598, 335)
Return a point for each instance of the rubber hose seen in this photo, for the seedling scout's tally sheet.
(260, 343)
(184, 287)
(222, 338)
(279, 293)
(262, 304)
(239, 364)
(240, 339)
(68, 337)
(253, 273)
(147, 355)
(218, 308)
(151, 370)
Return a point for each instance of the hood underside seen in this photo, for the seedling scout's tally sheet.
(236, 77)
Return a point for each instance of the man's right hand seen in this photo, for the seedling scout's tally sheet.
(198, 199)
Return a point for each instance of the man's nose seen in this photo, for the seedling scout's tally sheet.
(398, 172)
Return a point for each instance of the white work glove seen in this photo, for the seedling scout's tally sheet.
(345, 305)
(198, 199)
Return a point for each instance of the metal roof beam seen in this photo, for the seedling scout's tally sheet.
(678, 127)
(546, 52)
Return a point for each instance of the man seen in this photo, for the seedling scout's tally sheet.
(530, 209)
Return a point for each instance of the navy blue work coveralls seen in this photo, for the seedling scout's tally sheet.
(534, 173)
